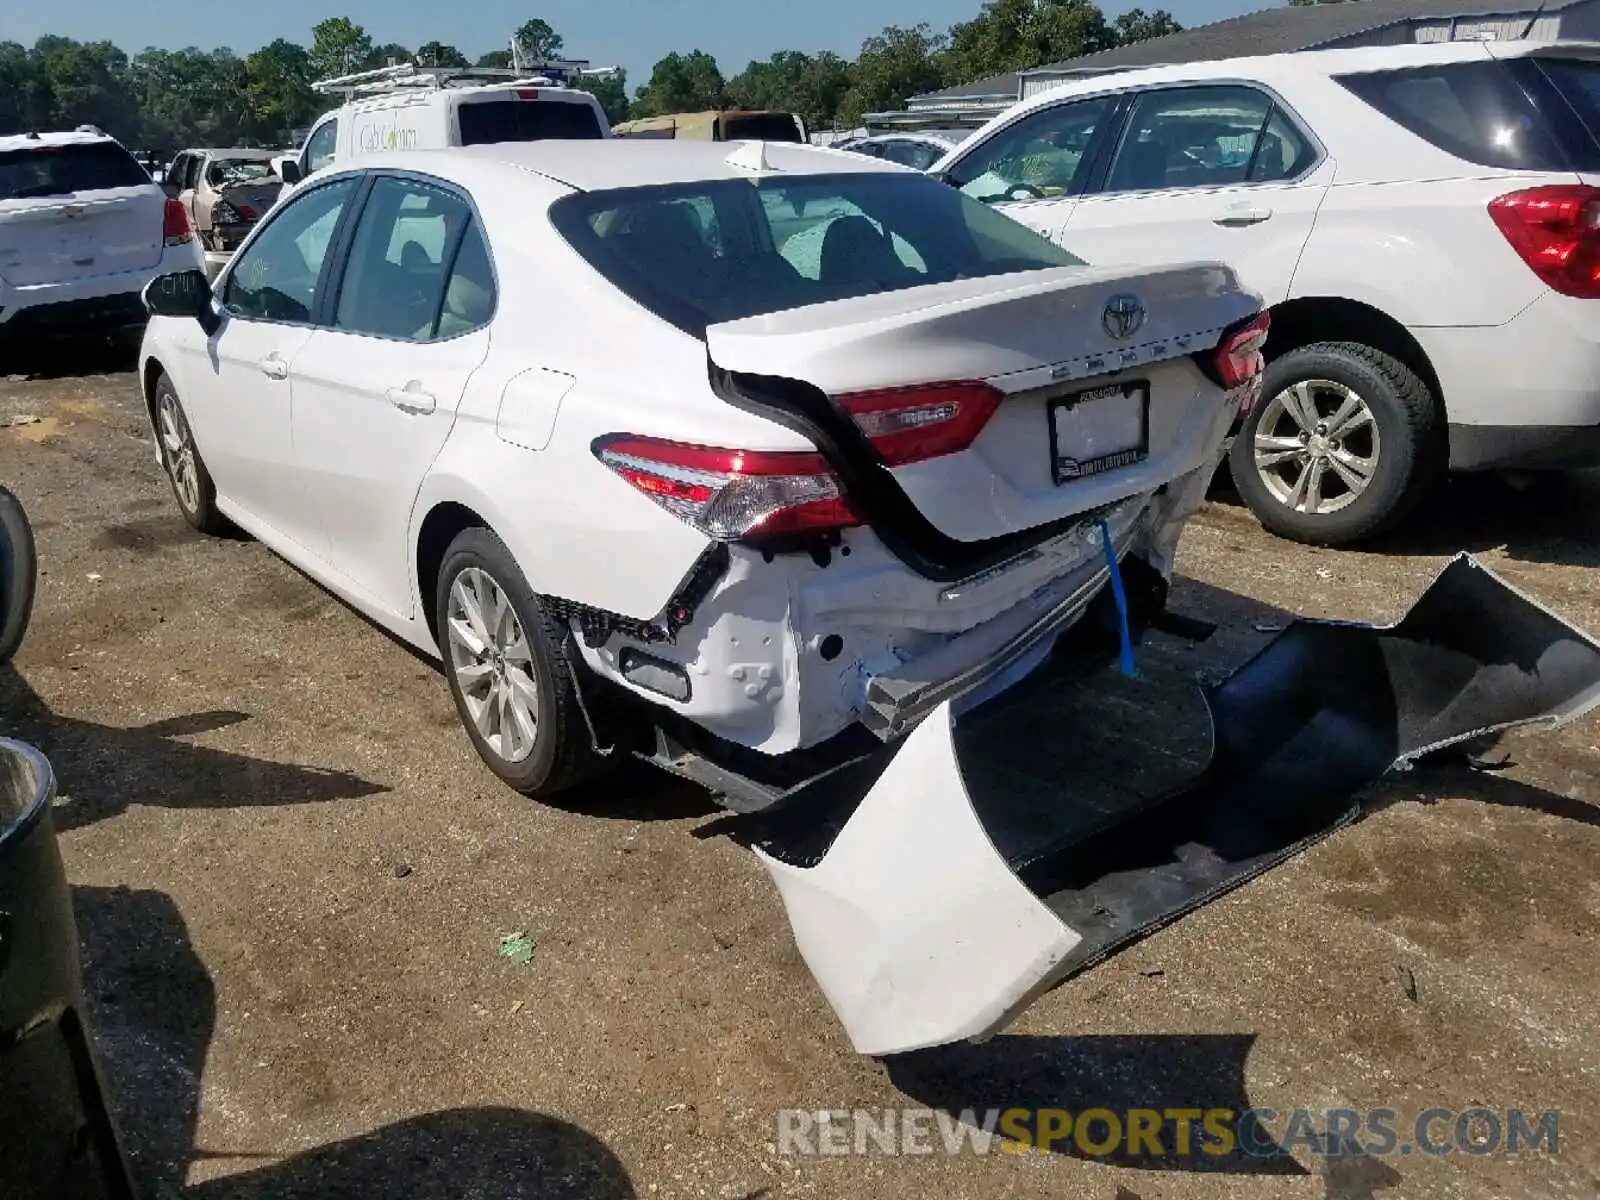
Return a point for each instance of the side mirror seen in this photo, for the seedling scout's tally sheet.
(289, 171)
(183, 294)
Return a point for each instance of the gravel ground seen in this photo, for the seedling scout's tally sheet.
(292, 876)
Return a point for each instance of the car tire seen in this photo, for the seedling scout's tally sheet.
(186, 470)
(1312, 479)
(520, 708)
(19, 569)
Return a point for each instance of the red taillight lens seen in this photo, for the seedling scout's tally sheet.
(527, 93)
(732, 494)
(175, 225)
(245, 211)
(912, 424)
(1556, 231)
(1239, 358)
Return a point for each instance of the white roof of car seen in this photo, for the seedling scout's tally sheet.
(602, 163)
(36, 141)
(1272, 68)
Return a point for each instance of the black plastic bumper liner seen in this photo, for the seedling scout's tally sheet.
(1298, 732)
(57, 1139)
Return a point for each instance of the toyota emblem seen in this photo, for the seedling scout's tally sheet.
(1123, 316)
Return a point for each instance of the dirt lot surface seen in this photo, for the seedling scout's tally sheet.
(292, 877)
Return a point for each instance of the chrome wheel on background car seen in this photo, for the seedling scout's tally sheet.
(1317, 446)
(1347, 440)
(493, 665)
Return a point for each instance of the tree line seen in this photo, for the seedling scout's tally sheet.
(167, 99)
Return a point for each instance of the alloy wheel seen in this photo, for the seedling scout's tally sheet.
(493, 664)
(177, 444)
(1316, 446)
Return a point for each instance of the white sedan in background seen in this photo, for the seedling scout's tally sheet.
(566, 416)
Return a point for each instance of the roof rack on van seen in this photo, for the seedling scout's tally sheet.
(540, 72)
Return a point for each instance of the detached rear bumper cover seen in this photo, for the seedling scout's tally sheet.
(922, 930)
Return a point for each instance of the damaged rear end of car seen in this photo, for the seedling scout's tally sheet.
(995, 429)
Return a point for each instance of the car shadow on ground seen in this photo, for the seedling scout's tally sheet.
(152, 1007)
(67, 358)
(1550, 517)
(102, 769)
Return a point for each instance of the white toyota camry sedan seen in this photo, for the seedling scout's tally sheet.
(747, 459)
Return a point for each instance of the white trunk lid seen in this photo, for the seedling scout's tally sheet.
(1046, 339)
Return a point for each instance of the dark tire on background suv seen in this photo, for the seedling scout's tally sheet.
(191, 483)
(19, 571)
(1342, 445)
(513, 679)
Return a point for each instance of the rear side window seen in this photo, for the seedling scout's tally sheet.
(64, 170)
(1476, 111)
(700, 254)
(402, 276)
(518, 120)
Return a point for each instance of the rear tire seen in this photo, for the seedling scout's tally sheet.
(514, 683)
(1343, 444)
(18, 573)
(186, 470)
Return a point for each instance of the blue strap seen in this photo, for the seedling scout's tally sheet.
(1121, 597)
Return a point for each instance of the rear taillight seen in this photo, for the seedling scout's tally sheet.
(527, 93)
(911, 424)
(1556, 231)
(732, 494)
(175, 225)
(1239, 354)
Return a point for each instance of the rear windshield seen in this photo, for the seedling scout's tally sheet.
(518, 120)
(698, 254)
(1478, 111)
(63, 170)
(760, 127)
(225, 172)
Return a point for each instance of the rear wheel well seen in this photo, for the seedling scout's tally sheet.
(147, 377)
(443, 524)
(1310, 319)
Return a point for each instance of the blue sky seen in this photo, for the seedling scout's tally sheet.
(632, 33)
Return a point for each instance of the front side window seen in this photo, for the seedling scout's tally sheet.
(401, 261)
(321, 145)
(1206, 137)
(1044, 154)
(275, 277)
(699, 254)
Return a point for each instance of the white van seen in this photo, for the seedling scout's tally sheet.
(419, 108)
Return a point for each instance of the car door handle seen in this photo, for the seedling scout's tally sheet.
(1237, 217)
(274, 367)
(411, 399)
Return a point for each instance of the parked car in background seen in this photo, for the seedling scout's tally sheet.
(919, 150)
(224, 192)
(83, 228)
(730, 125)
(418, 108)
(1423, 221)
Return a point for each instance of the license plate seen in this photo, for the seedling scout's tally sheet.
(1099, 430)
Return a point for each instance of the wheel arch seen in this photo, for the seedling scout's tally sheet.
(444, 522)
(1305, 320)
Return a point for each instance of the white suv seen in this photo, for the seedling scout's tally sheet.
(1423, 220)
(83, 229)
